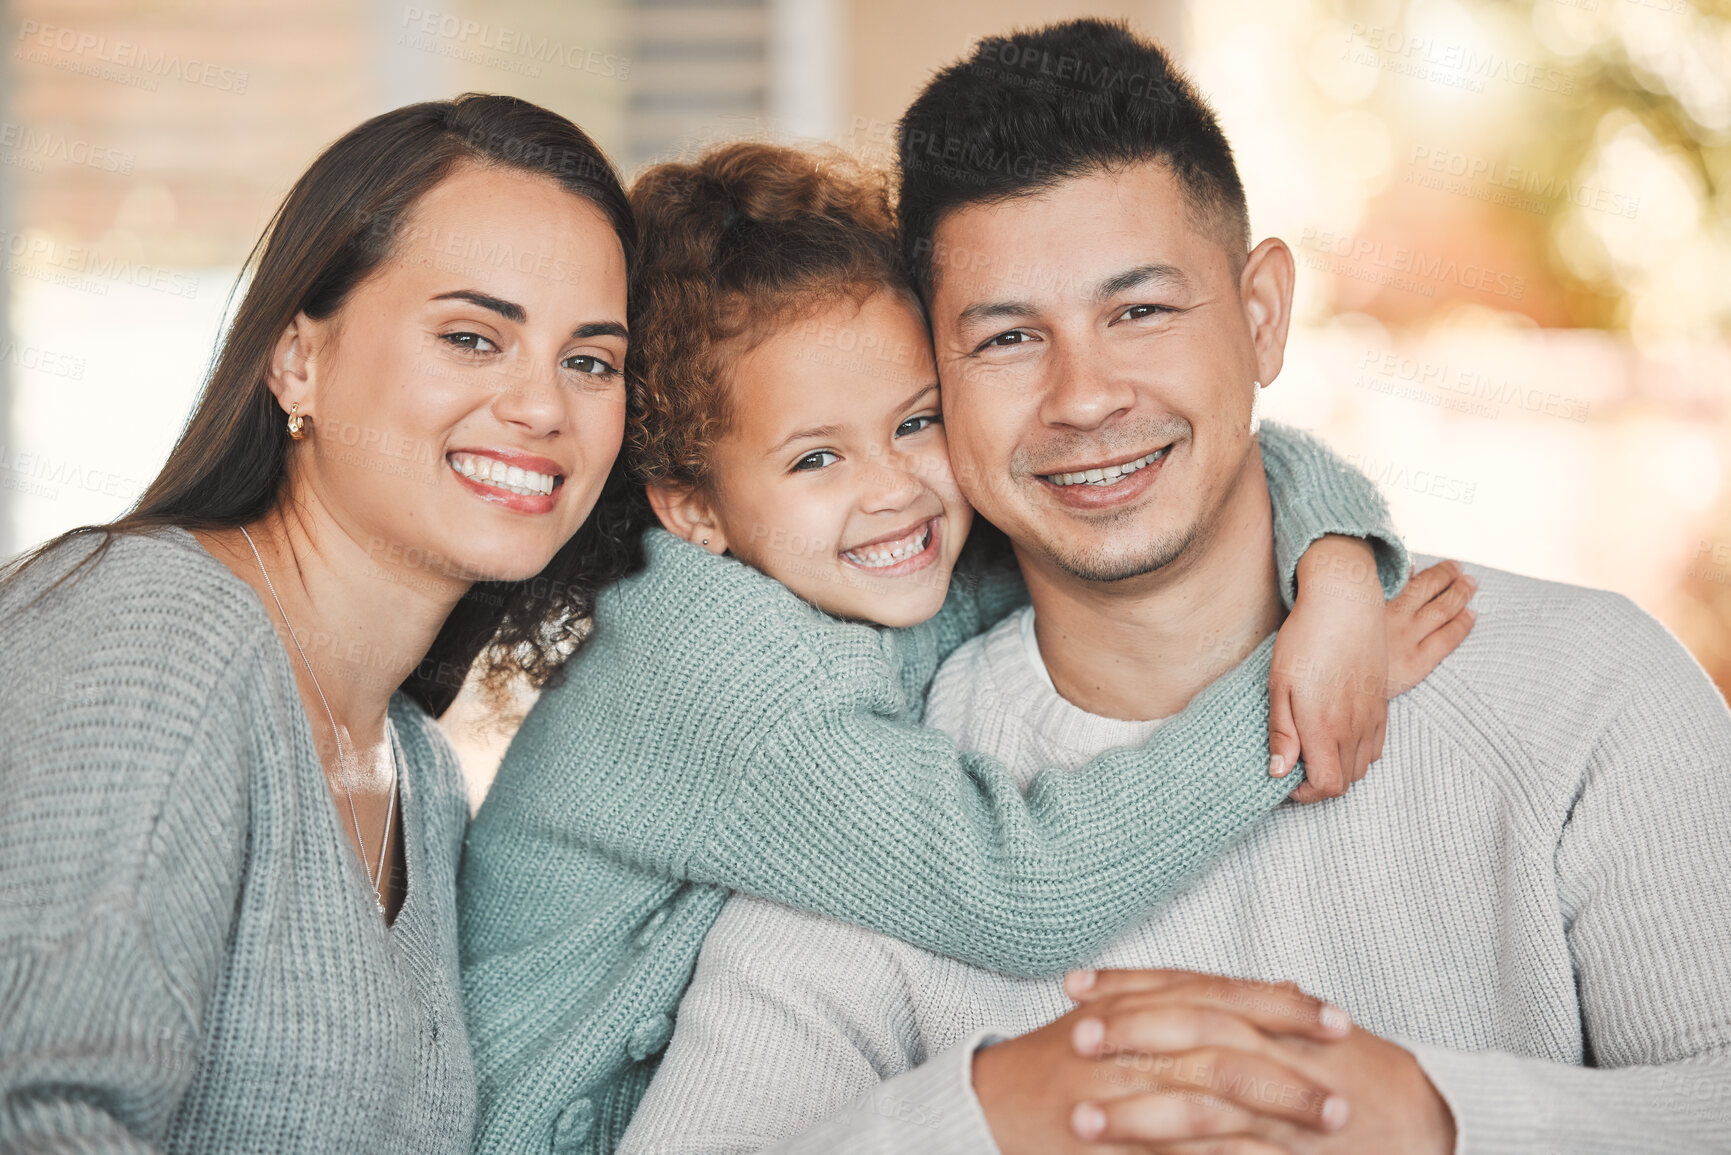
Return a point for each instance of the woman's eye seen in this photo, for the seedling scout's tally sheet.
(915, 424)
(470, 342)
(815, 460)
(589, 365)
(1137, 312)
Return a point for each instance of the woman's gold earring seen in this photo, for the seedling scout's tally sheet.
(296, 423)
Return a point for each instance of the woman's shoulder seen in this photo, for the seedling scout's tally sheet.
(142, 616)
(128, 680)
(129, 688)
(162, 572)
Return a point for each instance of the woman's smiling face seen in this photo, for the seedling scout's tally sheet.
(833, 477)
(466, 399)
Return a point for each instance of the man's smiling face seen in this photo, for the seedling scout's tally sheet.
(1096, 355)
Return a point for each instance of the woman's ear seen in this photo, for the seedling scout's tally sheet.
(291, 364)
(686, 512)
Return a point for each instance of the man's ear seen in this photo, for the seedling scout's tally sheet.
(1265, 287)
(291, 375)
(686, 512)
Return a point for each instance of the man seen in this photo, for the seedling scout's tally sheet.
(1525, 911)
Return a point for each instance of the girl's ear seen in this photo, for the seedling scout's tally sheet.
(686, 513)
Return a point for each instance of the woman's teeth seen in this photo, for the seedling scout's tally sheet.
(889, 553)
(492, 471)
(1107, 475)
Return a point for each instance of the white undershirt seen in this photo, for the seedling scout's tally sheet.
(1032, 646)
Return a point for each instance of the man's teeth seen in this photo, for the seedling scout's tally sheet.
(492, 471)
(1107, 475)
(889, 553)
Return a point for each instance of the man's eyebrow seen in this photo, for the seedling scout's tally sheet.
(601, 329)
(509, 310)
(995, 311)
(1156, 274)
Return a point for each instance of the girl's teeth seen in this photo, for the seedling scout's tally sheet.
(496, 473)
(879, 556)
(1107, 475)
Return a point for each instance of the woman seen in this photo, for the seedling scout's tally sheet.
(229, 828)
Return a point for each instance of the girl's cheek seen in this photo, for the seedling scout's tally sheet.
(941, 476)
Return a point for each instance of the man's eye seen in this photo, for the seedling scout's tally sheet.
(470, 342)
(1137, 312)
(915, 424)
(1006, 340)
(589, 365)
(815, 460)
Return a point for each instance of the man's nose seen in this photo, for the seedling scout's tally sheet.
(1082, 391)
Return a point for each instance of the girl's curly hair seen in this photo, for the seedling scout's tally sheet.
(736, 244)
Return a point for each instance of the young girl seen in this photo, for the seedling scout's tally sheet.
(740, 718)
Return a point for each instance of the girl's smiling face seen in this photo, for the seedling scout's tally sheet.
(833, 476)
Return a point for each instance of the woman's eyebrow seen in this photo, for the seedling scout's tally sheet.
(509, 310)
(517, 314)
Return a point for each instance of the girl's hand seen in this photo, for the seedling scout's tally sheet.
(1426, 621)
(1342, 654)
(1330, 666)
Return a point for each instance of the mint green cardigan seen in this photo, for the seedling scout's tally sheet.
(716, 733)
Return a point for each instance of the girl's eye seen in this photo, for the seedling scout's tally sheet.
(589, 365)
(815, 460)
(1137, 312)
(915, 424)
(470, 342)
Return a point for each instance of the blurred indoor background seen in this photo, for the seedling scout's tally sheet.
(1513, 220)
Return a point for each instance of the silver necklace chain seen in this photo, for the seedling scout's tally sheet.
(377, 875)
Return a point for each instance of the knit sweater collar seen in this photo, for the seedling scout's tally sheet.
(1004, 678)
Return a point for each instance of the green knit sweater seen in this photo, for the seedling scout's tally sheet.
(190, 957)
(716, 733)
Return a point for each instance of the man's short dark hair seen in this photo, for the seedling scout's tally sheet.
(1037, 107)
